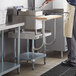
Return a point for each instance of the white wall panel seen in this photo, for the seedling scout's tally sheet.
(58, 4)
(38, 3)
(9, 3)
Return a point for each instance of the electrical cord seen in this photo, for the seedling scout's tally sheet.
(43, 36)
(51, 43)
(39, 47)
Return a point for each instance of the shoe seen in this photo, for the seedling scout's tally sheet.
(73, 64)
(67, 63)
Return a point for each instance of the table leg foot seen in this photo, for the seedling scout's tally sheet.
(44, 60)
(33, 67)
(18, 70)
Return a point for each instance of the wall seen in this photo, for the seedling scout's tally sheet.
(9, 3)
(58, 4)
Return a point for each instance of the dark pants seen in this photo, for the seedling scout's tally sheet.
(71, 43)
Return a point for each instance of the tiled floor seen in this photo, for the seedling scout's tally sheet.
(53, 59)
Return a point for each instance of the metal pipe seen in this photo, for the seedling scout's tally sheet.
(2, 53)
(15, 48)
(19, 48)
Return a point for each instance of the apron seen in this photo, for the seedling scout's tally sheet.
(69, 20)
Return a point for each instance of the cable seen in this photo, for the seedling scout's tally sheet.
(39, 47)
(50, 42)
(43, 36)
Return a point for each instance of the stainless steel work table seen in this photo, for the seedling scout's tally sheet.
(33, 56)
(6, 67)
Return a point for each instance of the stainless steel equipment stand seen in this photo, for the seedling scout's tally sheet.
(6, 67)
(33, 56)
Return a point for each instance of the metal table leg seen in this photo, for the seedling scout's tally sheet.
(44, 53)
(27, 49)
(33, 67)
(27, 45)
(2, 55)
(62, 54)
(19, 48)
(44, 39)
(15, 49)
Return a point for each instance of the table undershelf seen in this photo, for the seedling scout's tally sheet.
(30, 56)
(7, 67)
(29, 35)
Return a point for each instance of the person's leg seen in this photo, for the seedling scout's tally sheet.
(71, 42)
(69, 47)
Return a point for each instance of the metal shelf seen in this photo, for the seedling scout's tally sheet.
(7, 67)
(29, 35)
(30, 56)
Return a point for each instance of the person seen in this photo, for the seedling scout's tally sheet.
(70, 33)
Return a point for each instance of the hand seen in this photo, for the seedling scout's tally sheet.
(46, 1)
